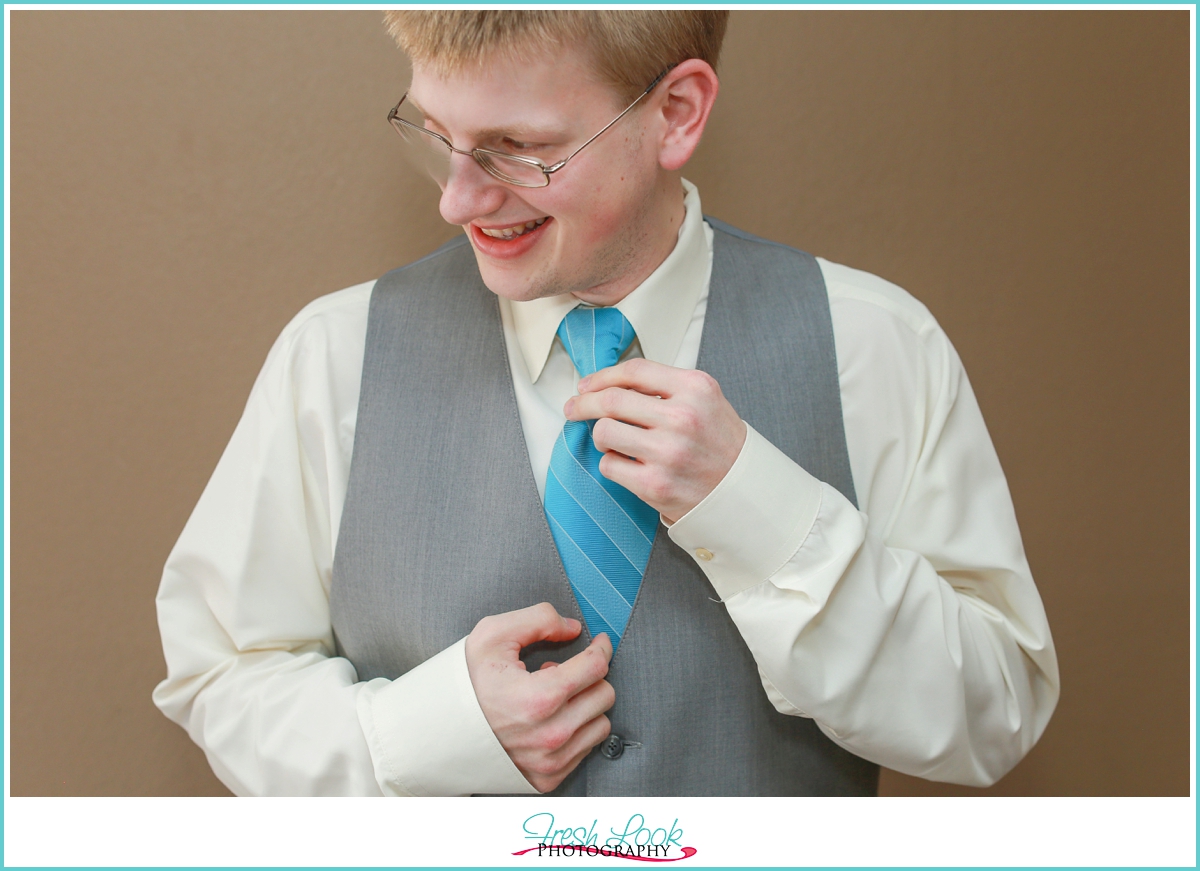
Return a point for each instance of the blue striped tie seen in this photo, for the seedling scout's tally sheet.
(603, 532)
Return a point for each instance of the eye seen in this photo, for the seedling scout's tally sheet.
(515, 145)
(434, 127)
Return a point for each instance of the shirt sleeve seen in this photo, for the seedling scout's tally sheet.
(243, 606)
(910, 630)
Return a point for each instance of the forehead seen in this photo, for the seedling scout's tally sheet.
(549, 92)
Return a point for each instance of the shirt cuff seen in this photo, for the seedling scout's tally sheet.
(428, 735)
(753, 521)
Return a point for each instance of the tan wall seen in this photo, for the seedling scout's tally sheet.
(183, 182)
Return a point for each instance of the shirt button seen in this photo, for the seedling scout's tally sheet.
(612, 747)
(704, 553)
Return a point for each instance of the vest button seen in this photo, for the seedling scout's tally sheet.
(612, 747)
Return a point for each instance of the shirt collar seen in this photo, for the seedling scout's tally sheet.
(659, 309)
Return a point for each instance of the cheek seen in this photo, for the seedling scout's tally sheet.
(614, 210)
(609, 205)
(602, 226)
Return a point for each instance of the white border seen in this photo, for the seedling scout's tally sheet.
(461, 832)
(927, 832)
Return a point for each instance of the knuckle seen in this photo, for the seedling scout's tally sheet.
(676, 456)
(601, 430)
(610, 400)
(485, 627)
(553, 737)
(658, 487)
(546, 784)
(599, 662)
(545, 767)
(541, 707)
(608, 696)
(684, 416)
(595, 669)
(703, 383)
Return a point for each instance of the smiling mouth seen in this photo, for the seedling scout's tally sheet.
(514, 231)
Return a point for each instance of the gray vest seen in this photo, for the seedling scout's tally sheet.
(443, 525)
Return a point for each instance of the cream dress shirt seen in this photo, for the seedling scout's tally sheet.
(909, 628)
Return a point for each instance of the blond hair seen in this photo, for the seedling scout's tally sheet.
(628, 47)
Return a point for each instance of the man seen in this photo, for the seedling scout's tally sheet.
(493, 436)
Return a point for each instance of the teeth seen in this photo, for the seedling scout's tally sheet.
(510, 232)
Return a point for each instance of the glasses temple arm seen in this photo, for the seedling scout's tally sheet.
(651, 87)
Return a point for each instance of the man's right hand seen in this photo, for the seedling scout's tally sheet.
(549, 720)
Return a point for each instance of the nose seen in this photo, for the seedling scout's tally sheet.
(469, 192)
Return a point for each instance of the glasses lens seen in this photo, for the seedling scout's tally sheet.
(429, 152)
(512, 170)
(420, 147)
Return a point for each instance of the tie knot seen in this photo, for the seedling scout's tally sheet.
(595, 337)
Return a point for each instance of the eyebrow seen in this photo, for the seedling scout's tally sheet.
(496, 132)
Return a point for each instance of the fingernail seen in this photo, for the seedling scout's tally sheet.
(570, 406)
(583, 382)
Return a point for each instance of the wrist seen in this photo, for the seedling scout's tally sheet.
(753, 521)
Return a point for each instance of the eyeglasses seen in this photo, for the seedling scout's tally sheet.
(432, 152)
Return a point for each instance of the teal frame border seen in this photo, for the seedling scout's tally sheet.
(5, 319)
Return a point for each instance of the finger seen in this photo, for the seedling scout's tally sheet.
(546, 665)
(559, 729)
(581, 670)
(644, 376)
(613, 435)
(517, 629)
(617, 403)
(568, 757)
(584, 740)
(589, 703)
(630, 474)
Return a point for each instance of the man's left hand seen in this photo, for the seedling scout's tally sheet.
(678, 425)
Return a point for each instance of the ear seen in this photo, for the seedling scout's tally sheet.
(685, 100)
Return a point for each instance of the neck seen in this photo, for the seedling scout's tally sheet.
(664, 216)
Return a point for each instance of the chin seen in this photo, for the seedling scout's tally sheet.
(515, 287)
(523, 294)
